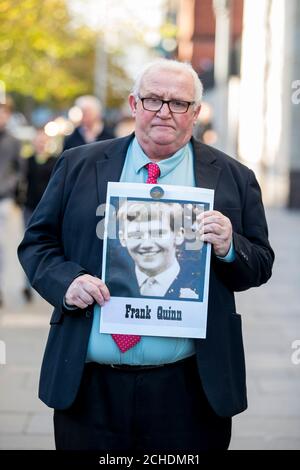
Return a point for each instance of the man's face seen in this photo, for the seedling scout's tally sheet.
(162, 133)
(40, 142)
(151, 244)
(90, 115)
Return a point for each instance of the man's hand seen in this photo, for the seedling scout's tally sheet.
(216, 229)
(85, 290)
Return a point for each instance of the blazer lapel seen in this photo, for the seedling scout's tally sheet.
(207, 172)
(109, 168)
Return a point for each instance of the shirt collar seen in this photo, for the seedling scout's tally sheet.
(165, 278)
(140, 159)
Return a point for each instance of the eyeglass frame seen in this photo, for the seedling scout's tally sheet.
(189, 103)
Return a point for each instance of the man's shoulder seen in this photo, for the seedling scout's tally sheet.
(96, 150)
(106, 133)
(218, 157)
(73, 140)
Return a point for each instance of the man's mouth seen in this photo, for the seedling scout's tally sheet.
(163, 126)
(148, 254)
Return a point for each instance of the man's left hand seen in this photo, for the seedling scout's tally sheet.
(215, 228)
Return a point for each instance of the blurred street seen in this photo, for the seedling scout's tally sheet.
(271, 322)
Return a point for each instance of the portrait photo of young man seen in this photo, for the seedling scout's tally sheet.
(151, 257)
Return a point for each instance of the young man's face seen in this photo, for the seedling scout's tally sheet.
(151, 244)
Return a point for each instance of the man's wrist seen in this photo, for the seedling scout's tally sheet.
(67, 306)
(230, 257)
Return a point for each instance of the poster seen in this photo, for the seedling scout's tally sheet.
(154, 262)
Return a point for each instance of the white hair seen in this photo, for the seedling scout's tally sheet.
(173, 65)
(91, 101)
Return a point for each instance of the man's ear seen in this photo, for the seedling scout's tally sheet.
(122, 238)
(196, 113)
(179, 237)
(132, 104)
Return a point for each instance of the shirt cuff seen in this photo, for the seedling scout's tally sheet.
(69, 307)
(230, 257)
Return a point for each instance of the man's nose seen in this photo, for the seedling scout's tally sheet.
(146, 239)
(164, 110)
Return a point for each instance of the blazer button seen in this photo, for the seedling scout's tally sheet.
(88, 314)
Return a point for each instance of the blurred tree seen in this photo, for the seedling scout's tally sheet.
(45, 55)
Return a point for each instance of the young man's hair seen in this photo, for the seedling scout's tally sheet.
(144, 211)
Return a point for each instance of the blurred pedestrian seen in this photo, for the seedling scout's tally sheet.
(36, 174)
(10, 171)
(92, 127)
(125, 126)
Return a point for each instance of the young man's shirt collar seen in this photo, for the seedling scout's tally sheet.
(163, 280)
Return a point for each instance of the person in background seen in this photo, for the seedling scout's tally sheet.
(10, 173)
(125, 126)
(36, 174)
(92, 127)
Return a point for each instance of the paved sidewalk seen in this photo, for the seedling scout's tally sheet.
(271, 323)
(271, 320)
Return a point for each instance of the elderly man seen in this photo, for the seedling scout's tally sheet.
(92, 127)
(126, 392)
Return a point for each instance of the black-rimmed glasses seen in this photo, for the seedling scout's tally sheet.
(175, 106)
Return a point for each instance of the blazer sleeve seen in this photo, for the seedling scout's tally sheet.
(254, 256)
(41, 251)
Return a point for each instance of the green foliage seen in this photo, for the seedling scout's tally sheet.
(44, 55)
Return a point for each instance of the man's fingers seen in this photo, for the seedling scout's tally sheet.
(85, 290)
(217, 218)
(86, 297)
(104, 292)
(95, 293)
(211, 238)
(213, 228)
(214, 222)
(80, 304)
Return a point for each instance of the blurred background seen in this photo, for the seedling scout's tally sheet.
(66, 68)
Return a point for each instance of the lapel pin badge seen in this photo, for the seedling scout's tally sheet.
(156, 192)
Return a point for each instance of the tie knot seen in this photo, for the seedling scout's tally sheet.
(149, 286)
(153, 173)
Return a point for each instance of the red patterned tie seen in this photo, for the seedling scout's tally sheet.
(153, 173)
(125, 342)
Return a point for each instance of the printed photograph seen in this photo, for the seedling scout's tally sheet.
(157, 251)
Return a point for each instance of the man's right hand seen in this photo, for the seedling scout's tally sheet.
(85, 290)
